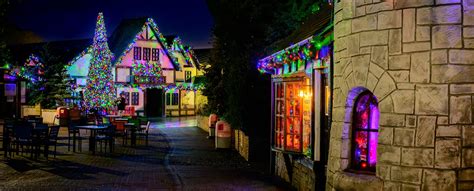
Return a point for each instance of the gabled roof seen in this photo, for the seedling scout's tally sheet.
(312, 25)
(186, 51)
(67, 49)
(126, 32)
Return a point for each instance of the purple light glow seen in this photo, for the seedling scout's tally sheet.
(366, 122)
(373, 148)
(374, 116)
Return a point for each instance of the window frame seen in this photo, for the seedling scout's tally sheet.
(354, 129)
(135, 98)
(137, 53)
(146, 54)
(186, 79)
(279, 128)
(127, 78)
(168, 98)
(127, 97)
(155, 54)
(175, 99)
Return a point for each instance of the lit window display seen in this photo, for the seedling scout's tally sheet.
(365, 133)
(293, 116)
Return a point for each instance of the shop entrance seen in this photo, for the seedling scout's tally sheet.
(154, 106)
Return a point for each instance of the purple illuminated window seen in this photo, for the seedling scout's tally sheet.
(365, 133)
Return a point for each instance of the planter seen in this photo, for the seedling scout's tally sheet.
(30, 110)
(48, 116)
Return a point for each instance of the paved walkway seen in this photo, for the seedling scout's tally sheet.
(178, 157)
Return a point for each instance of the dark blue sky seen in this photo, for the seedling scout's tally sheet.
(75, 19)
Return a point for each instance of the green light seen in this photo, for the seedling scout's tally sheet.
(6, 66)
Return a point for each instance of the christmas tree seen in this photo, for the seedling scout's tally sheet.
(100, 90)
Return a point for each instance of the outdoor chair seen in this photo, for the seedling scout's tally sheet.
(40, 139)
(134, 129)
(120, 131)
(107, 136)
(143, 130)
(53, 137)
(23, 136)
(7, 141)
(73, 131)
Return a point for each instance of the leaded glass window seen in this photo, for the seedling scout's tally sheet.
(365, 133)
(137, 53)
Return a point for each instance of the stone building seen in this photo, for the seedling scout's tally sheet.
(403, 95)
(299, 65)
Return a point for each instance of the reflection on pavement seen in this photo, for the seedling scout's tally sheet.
(173, 122)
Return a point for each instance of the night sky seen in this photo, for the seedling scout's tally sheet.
(75, 19)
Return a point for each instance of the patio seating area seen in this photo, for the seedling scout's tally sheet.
(29, 136)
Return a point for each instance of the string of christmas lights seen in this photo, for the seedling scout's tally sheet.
(88, 50)
(144, 68)
(150, 22)
(312, 49)
(178, 47)
(166, 87)
(100, 90)
(32, 70)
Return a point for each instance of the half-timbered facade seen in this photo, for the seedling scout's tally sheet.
(154, 72)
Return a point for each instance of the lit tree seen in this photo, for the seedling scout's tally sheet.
(100, 90)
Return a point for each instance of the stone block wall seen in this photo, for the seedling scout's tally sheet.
(417, 58)
(294, 171)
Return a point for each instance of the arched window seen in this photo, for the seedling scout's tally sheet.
(365, 133)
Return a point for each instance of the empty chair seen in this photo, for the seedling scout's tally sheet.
(8, 136)
(120, 130)
(53, 137)
(74, 134)
(107, 136)
(23, 133)
(143, 131)
(40, 139)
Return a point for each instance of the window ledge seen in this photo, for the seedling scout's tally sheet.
(356, 181)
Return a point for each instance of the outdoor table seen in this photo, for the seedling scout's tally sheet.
(133, 133)
(93, 129)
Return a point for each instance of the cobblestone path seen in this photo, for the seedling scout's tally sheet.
(178, 157)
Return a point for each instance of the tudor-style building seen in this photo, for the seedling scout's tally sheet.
(154, 72)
